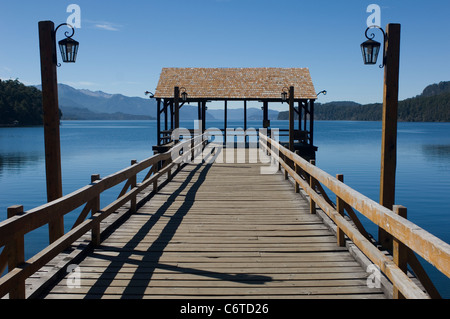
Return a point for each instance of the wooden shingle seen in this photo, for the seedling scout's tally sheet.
(235, 83)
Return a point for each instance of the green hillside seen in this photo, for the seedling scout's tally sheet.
(433, 105)
(19, 104)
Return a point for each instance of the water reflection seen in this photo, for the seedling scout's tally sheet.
(18, 161)
(437, 152)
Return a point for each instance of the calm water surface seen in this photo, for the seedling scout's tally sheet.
(349, 148)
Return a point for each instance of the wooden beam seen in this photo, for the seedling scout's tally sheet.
(176, 102)
(172, 123)
(95, 233)
(400, 252)
(340, 209)
(291, 118)
(158, 123)
(312, 182)
(245, 115)
(16, 255)
(389, 133)
(47, 44)
(311, 122)
(225, 121)
(203, 116)
(166, 107)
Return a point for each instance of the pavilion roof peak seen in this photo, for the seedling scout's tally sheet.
(235, 83)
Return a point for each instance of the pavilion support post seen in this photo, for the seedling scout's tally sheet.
(166, 107)
(300, 111)
(225, 122)
(311, 122)
(176, 102)
(47, 44)
(158, 123)
(305, 117)
(245, 115)
(291, 119)
(389, 132)
(266, 114)
(172, 125)
(203, 117)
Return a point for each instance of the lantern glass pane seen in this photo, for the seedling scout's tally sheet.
(370, 50)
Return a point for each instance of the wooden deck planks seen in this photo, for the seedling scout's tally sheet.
(221, 231)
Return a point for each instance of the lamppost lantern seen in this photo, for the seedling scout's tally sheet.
(68, 46)
(284, 95)
(371, 48)
(69, 50)
(184, 95)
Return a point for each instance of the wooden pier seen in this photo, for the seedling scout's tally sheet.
(221, 230)
(209, 220)
(217, 230)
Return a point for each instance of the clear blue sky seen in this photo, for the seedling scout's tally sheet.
(124, 44)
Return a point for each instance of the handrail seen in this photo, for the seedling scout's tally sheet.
(16, 227)
(429, 247)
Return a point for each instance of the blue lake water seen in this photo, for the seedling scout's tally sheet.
(349, 148)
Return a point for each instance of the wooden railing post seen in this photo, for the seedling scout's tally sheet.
(340, 208)
(297, 171)
(133, 183)
(400, 251)
(95, 236)
(16, 255)
(155, 182)
(192, 149)
(312, 204)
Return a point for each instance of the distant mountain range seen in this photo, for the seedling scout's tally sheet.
(22, 105)
(82, 104)
(433, 105)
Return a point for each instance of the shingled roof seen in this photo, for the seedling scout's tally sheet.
(235, 83)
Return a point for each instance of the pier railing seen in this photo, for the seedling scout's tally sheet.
(19, 223)
(407, 237)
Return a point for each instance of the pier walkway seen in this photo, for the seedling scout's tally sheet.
(220, 230)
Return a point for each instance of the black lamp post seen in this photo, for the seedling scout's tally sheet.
(49, 64)
(391, 63)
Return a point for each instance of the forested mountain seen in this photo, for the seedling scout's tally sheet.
(433, 105)
(19, 104)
